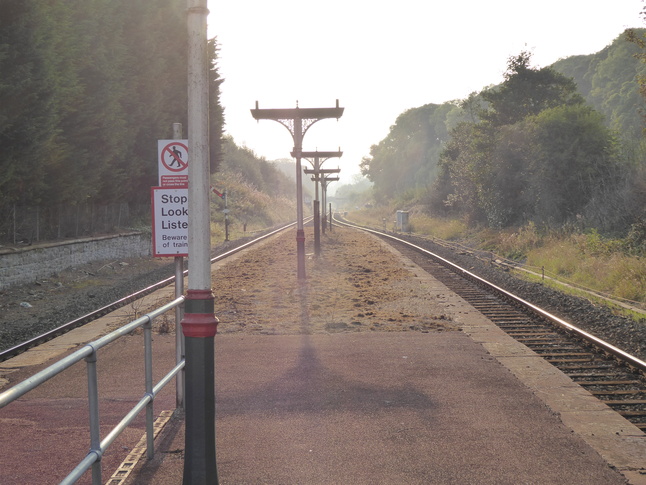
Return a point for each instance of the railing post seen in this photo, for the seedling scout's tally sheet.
(148, 371)
(179, 311)
(93, 403)
(179, 335)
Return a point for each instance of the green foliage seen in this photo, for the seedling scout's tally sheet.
(527, 92)
(538, 153)
(575, 159)
(357, 194)
(27, 100)
(216, 111)
(408, 156)
(257, 172)
(259, 195)
(636, 238)
(86, 89)
(554, 146)
(609, 81)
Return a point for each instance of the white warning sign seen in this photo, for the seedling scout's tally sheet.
(170, 221)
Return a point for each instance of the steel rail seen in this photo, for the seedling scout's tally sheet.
(623, 356)
(87, 318)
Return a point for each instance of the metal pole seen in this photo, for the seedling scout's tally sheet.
(179, 310)
(330, 216)
(300, 233)
(148, 382)
(317, 228)
(323, 191)
(93, 404)
(199, 324)
(226, 217)
(317, 209)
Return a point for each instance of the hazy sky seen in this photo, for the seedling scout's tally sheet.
(382, 58)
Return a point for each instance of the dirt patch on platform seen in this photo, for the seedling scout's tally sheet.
(356, 284)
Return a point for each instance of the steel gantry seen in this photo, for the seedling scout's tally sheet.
(325, 180)
(319, 222)
(317, 158)
(298, 121)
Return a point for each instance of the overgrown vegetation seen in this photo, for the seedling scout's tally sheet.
(615, 267)
(259, 195)
(87, 88)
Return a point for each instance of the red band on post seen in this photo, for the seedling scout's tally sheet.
(199, 325)
(199, 318)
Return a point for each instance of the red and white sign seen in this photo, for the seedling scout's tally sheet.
(170, 221)
(173, 163)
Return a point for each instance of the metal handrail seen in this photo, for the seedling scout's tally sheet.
(89, 353)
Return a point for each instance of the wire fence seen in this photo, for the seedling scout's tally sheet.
(30, 225)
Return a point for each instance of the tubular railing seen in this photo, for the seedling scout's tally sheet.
(89, 353)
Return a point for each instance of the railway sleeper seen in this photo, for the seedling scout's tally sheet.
(620, 392)
(600, 365)
(601, 376)
(539, 340)
(625, 402)
(565, 353)
(632, 414)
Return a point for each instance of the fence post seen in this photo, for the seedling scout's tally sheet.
(179, 311)
(148, 371)
(93, 403)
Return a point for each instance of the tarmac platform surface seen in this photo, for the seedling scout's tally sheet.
(396, 408)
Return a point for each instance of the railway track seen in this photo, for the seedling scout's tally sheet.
(104, 310)
(609, 373)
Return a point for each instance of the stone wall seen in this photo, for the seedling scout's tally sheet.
(27, 264)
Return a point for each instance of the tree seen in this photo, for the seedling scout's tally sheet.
(538, 153)
(28, 99)
(576, 157)
(216, 112)
(408, 156)
(526, 92)
(86, 89)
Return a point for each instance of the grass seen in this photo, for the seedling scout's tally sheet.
(614, 273)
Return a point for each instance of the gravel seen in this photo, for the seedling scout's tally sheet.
(29, 310)
(622, 332)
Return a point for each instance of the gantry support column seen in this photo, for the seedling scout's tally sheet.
(315, 159)
(298, 121)
(199, 323)
(325, 179)
(319, 177)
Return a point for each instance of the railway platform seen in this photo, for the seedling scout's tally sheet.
(466, 404)
(406, 407)
(441, 408)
